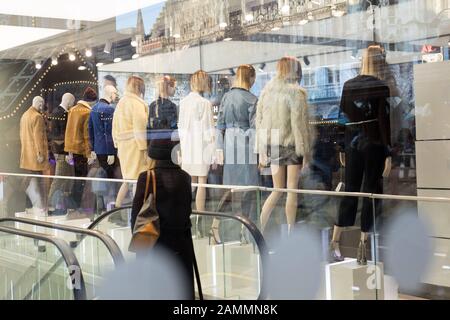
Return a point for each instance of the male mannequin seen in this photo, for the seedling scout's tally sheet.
(100, 131)
(34, 149)
(77, 140)
(58, 124)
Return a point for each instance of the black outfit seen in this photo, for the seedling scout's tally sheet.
(173, 202)
(111, 170)
(81, 171)
(163, 114)
(367, 141)
(58, 123)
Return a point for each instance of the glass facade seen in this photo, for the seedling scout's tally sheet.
(327, 114)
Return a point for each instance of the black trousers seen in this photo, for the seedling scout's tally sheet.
(364, 167)
(110, 169)
(81, 171)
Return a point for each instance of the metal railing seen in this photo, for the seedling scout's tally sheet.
(67, 256)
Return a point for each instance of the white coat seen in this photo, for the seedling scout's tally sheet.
(197, 134)
(129, 131)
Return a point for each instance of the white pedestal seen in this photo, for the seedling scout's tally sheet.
(349, 281)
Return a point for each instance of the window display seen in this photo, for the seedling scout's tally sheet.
(288, 113)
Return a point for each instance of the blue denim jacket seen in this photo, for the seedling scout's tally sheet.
(100, 128)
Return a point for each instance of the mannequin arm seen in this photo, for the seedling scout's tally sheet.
(342, 159)
(111, 160)
(387, 167)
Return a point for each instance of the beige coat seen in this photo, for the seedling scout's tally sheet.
(129, 131)
(77, 133)
(33, 137)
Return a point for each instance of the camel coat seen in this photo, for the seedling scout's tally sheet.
(77, 134)
(129, 131)
(33, 138)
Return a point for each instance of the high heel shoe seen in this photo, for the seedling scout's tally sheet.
(335, 253)
(361, 257)
(214, 234)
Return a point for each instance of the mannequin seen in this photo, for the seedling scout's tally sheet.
(163, 112)
(237, 121)
(76, 140)
(34, 149)
(367, 146)
(129, 128)
(196, 126)
(100, 131)
(285, 137)
(58, 124)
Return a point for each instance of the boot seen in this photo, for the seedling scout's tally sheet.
(361, 257)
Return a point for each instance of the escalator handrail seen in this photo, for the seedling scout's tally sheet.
(110, 244)
(66, 253)
(254, 231)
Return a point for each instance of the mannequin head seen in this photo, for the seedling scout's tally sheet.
(109, 80)
(38, 103)
(374, 62)
(245, 77)
(166, 87)
(136, 86)
(110, 93)
(201, 82)
(90, 96)
(289, 69)
(67, 101)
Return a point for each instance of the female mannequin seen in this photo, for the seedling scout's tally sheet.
(196, 129)
(367, 143)
(129, 131)
(237, 120)
(284, 134)
(163, 112)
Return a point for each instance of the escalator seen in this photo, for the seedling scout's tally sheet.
(231, 269)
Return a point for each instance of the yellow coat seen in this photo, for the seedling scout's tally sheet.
(129, 131)
(33, 138)
(77, 134)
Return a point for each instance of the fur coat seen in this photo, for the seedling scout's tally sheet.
(282, 111)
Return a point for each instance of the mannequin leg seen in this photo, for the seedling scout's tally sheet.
(292, 198)
(279, 181)
(200, 199)
(335, 251)
(121, 194)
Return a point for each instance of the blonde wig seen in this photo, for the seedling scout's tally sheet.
(245, 77)
(136, 85)
(289, 69)
(201, 82)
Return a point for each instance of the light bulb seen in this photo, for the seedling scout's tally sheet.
(72, 57)
(227, 39)
(88, 53)
(117, 60)
(99, 64)
(135, 56)
(276, 28)
(303, 22)
(134, 43)
(249, 17)
(38, 65)
(177, 36)
(223, 25)
(54, 61)
(82, 68)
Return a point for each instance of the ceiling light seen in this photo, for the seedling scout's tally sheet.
(82, 68)
(99, 64)
(227, 39)
(108, 47)
(249, 17)
(335, 12)
(223, 25)
(177, 36)
(135, 56)
(306, 60)
(54, 61)
(38, 65)
(88, 53)
(134, 43)
(276, 28)
(262, 66)
(72, 56)
(117, 60)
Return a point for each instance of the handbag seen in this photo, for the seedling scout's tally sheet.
(147, 228)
